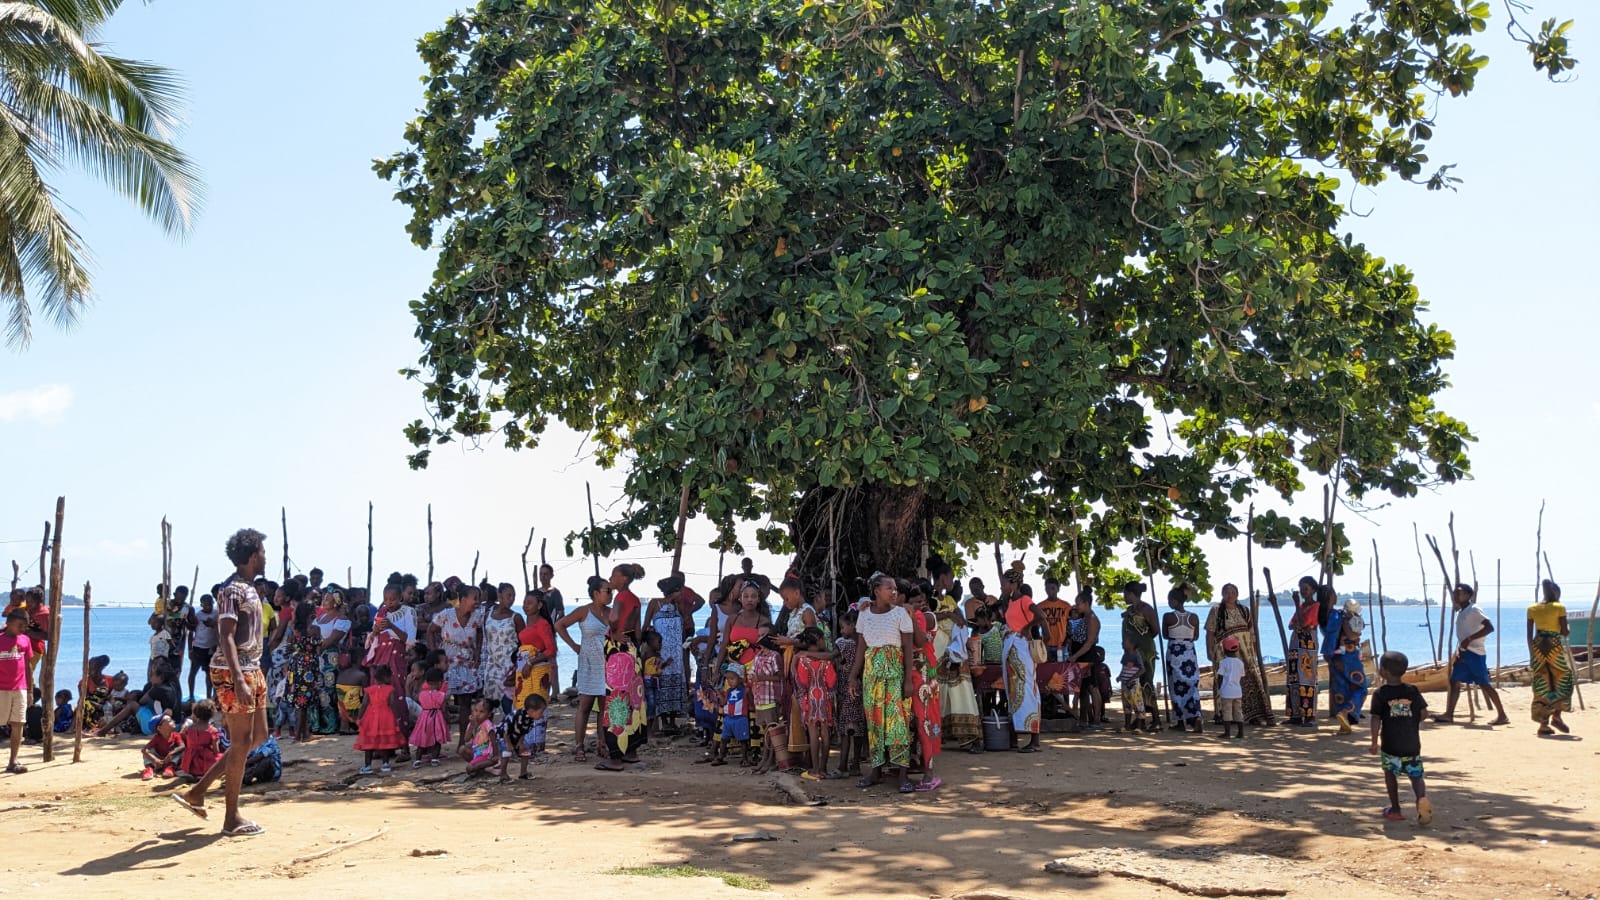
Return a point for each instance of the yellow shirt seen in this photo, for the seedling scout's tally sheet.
(1547, 616)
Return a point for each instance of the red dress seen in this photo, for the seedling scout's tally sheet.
(378, 728)
(202, 747)
(817, 679)
(926, 707)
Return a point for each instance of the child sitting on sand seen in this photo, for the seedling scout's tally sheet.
(351, 681)
(1397, 711)
(481, 753)
(202, 741)
(524, 731)
(64, 713)
(161, 753)
(1133, 700)
(379, 733)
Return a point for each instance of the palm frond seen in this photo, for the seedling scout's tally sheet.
(41, 246)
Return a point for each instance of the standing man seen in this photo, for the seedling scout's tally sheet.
(1471, 664)
(241, 687)
(16, 681)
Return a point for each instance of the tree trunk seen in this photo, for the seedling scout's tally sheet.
(877, 527)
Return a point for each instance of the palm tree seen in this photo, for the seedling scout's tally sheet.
(65, 102)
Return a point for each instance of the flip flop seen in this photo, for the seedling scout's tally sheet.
(247, 829)
(908, 788)
(197, 810)
(866, 783)
(931, 784)
(810, 777)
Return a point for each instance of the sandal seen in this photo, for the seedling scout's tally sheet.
(1393, 815)
(1545, 731)
(579, 756)
(197, 810)
(15, 769)
(866, 783)
(244, 829)
(907, 787)
(931, 784)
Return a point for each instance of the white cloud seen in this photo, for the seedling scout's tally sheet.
(45, 404)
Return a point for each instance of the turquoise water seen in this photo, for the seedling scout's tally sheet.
(122, 634)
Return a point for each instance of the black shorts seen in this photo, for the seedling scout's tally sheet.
(201, 656)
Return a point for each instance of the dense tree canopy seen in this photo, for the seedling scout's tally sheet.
(942, 271)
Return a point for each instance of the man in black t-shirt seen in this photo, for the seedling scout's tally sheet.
(1397, 712)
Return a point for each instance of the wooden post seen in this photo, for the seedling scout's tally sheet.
(594, 545)
(683, 524)
(47, 671)
(44, 559)
(1255, 595)
(369, 551)
(77, 714)
(473, 578)
(430, 543)
(1593, 608)
(1427, 617)
(1449, 596)
(527, 585)
(1538, 552)
(1383, 621)
(1497, 661)
(194, 582)
(1283, 636)
(285, 511)
(16, 574)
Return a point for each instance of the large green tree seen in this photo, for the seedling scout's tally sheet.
(66, 102)
(893, 275)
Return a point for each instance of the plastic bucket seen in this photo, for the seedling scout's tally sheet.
(996, 732)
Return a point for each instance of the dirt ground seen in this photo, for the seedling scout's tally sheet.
(1286, 812)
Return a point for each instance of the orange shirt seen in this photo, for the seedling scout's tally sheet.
(1055, 613)
(1019, 614)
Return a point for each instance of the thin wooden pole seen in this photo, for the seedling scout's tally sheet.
(1538, 552)
(16, 574)
(430, 543)
(1497, 629)
(1283, 636)
(44, 558)
(285, 511)
(369, 552)
(77, 714)
(683, 524)
(194, 582)
(1593, 609)
(1427, 617)
(1255, 596)
(526, 584)
(473, 578)
(1383, 620)
(594, 544)
(47, 671)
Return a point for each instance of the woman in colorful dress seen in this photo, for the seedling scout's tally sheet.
(394, 631)
(623, 717)
(669, 616)
(594, 622)
(1139, 625)
(1230, 620)
(1022, 685)
(501, 626)
(927, 711)
(951, 642)
(852, 717)
(881, 679)
(1301, 666)
(332, 628)
(302, 667)
(1547, 650)
(1341, 646)
(1181, 627)
(460, 632)
(535, 671)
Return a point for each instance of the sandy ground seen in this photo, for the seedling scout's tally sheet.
(1287, 810)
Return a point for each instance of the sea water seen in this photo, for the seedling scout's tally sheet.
(123, 634)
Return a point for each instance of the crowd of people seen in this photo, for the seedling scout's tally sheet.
(887, 680)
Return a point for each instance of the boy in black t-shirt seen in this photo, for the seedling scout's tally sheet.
(1397, 712)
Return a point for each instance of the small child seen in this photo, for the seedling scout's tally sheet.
(1397, 712)
(160, 644)
(351, 681)
(379, 733)
(163, 750)
(735, 716)
(202, 741)
(1230, 691)
(852, 715)
(707, 693)
(64, 712)
(431, 731)
(480, 753)
(650, 659)
(766, 691)
(816, 678)
(1133, 700)
(524, 731)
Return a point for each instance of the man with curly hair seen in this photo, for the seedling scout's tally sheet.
(236, 674)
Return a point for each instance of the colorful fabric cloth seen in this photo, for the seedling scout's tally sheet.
(388, 648)
(1347, 680)
(460, 645)
(483, 742)
(304, 669)
(926, 708)
(1222, 623)
(1183, 680)
(1137, 628)
(592, 656)
(622, 719)
(765, 679)
(1022, 686)
(202, 747)
(672, 692)
(816, 679)
(852, 716)
(1552, 676)
(1301, 674)
(888, 731)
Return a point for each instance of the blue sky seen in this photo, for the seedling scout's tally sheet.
(253, 366)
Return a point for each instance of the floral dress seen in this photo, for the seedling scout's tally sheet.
(852, 716)
(304, 669)
(816, 678)
(461, 674)
(499, 654)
